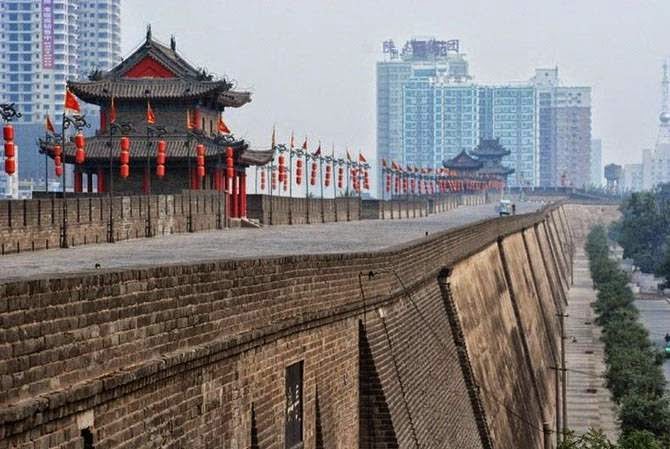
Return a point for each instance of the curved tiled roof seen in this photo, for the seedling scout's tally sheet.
(462, 161)
(102, 91)
(490, 148)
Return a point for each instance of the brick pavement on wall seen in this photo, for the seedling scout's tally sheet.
(196, 355)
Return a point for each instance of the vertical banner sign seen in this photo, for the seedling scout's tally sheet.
(293, 428)
(47, 34)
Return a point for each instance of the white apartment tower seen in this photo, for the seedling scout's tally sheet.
(44, 43)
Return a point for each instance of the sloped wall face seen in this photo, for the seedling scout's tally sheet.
(416, 358)
(495, 347)
(582, 217)
(533, 315)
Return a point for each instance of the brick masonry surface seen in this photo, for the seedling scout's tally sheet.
(400, 347)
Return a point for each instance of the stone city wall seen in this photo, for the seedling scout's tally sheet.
(31, 225)
(200, 355)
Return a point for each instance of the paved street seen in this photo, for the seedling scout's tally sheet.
(655, 314)
(348, 237)
(588, 400)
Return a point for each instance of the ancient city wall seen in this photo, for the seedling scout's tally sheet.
(36, 224)
(442, 342)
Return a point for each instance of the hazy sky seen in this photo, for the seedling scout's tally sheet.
(311, 63)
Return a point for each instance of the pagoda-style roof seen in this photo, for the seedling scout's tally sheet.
(157, 72)
(495, 170)
(462, 161)
(490, 148)
(100, 92)
(97, 150)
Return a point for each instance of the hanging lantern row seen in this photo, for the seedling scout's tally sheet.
(200, 160)
(230, 170)
(124, 157)
(160, 158)
(282, 168)
(312, 175)
(10, 149)
(262, 179)
(274, 180)
(79, 153)
(329, 174)
(298, 172)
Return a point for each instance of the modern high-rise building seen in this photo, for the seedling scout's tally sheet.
(564, 126)
(429, 110)
(402, 83)
(597, 163)
(43, 44)
(632, 178)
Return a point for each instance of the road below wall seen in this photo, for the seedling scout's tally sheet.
(342, 237)
(655, 314)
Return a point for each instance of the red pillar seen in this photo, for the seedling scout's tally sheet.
(235, 195)
(78, 181)
(243, 195)
(101, 181)
(145, 183)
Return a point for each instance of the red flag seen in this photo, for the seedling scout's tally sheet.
(304, 144)
(292, 139)
(112, 112)
(71, 102)
(151, 118)
(222, 127)
(274, 137)
(49, 125)
(384, 163)
(318, 150)
(348, 155)
(361, 158)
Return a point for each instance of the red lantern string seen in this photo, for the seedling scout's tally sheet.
(10, 149)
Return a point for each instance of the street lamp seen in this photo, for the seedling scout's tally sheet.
(120, 129)
(78, 122)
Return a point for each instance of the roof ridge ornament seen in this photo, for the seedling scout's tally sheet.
(173, 43)
(149, 38)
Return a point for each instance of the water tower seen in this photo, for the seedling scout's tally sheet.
(613, 175)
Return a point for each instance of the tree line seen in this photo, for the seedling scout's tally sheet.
(644, 230)
(634, 374)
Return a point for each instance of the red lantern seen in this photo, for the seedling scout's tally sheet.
(312, 177)
(124, 171)
(160, 171)
(124, 158)
(59, 171)
(8, 132)
(282, 168)
(57, 161)
(340, 177)
(10, 166)
(162, 146)
(10, 150)
(230, 169)
(58, 151)
(329, 174)
(79, 140)
(79, 155)
(125, 144)
(298, 172)
(201, 171)
(262, 179)
(274, 179)
(160, 159)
